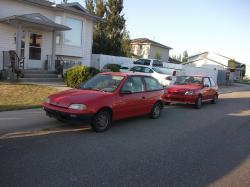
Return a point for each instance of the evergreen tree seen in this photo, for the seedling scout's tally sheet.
(110, 36)
(184, 57)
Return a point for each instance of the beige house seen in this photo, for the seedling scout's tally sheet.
(41, 31)
(145, 48)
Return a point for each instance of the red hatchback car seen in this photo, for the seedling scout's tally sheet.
(107, 97)
(192, 90)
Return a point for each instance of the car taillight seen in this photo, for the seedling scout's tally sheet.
(174, 73)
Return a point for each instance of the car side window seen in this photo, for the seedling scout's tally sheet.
(157, 63)
(133, 84)
(136, 69)
(152, 84)
(207, 82)
(147, 70)
(212, 82)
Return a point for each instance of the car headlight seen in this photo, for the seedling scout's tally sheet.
(189, 92)
(78, 106)
(47, 100)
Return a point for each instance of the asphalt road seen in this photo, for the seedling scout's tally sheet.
(185, 147)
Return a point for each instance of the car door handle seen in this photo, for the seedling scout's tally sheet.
(143, 97)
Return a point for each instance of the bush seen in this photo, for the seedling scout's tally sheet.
(113, 67)
(76, 75)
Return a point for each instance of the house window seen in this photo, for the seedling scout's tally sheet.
(73, 36)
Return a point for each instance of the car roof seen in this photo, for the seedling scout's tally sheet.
(142, 66)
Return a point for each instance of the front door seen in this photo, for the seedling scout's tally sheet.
(34, 51)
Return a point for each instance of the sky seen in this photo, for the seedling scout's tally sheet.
(220, 26)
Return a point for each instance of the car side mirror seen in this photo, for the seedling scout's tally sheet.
(125, 92)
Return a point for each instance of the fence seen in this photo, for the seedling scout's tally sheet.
(99, 60)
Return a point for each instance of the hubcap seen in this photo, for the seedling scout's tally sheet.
(157, 111)
(102, 120)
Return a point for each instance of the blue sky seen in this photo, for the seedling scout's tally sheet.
(221, 26)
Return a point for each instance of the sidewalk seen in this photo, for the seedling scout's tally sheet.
(236, 87)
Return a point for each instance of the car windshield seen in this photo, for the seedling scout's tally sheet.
(103, 82)
(186, 80)
(164, 71)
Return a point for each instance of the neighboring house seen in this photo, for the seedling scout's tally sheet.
(145, 48)
(214, 61)
(40, 31)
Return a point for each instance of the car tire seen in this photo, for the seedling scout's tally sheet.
(215, 99)
(156, 111)
(198, 103)
(101, 121)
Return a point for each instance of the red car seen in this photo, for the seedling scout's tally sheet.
(192, 90)
(107, 97)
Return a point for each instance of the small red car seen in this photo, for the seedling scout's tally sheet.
(192, 90)
(107, 97)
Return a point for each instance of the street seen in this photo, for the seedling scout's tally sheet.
(185, 147)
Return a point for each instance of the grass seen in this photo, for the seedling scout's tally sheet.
(14, 96)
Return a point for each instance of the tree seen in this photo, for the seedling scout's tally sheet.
(110, 35)
(184, 57)
(157, 55)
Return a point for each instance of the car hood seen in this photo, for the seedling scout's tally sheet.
(76, 96)
(182, 88)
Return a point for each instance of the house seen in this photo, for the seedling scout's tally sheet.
(41, 32)
(145, 48)
(217, 62)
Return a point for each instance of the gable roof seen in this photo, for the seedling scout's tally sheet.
(74, 8)
(148, 41)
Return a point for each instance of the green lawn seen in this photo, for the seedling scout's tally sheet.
(15, 96)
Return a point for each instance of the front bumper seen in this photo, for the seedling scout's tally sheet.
(180, 99)
(66, 114)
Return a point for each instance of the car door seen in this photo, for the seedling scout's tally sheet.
(130, 101)
(206, 91)
(154, 92)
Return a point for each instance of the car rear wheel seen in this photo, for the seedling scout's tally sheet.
(198, 103)
(215, 99)
(102, 121)
(156, 111)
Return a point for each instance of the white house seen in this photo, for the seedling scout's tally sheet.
(40, 31)
(214, 61)
(145, 48)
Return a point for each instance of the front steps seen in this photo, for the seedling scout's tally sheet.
(40, 76)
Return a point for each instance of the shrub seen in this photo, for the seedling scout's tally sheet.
(76, 75)
(113, 67)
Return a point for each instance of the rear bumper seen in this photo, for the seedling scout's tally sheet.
(59, 114)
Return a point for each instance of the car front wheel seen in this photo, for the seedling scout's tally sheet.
(101, 121)
(156, 111)
(215, 99)
(198, 103)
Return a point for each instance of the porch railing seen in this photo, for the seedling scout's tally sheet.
(11, 61)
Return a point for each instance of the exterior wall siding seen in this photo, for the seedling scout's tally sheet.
(7, 32)
(6, 40)
(164, 53)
